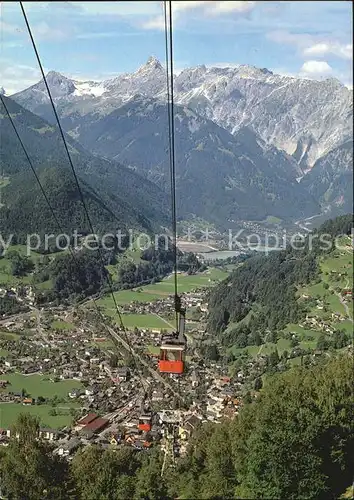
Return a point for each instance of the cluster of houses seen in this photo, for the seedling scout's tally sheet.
(23, 293)
(160, 306)
(107, 392)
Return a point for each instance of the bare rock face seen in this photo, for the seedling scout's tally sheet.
(291, 124)
(305, 118)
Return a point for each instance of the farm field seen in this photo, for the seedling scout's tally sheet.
(36, 386)
(153, 349)
(148, 293)
(308, 340)
(126, 297)
(163, 288)
(105, 344)
(10, 411)
(62, 325)
(10, 335)
(145, 321)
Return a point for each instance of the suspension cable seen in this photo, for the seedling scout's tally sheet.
(109, 279)
(171, 135)
(61, 230)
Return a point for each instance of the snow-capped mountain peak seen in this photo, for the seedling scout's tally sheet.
(305, 118)
(56, 78)
(152, 63)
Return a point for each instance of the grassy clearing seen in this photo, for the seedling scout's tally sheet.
(4, 181)
(347, 326)
(104, 344)
(164, 288)
(271, 219)
(9, 335)
(157, 291)
(295, 361)
(36, 385)
(9, 412)
(127, 297)
(153, 349)
(45, 285)
(62, 325)
(302, 332)
(145, 321)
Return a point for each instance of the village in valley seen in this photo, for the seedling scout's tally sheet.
(91, 381)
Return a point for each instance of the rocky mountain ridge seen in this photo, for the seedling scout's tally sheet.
(305, 118)
(288, 127)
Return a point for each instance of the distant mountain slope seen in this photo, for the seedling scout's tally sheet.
(303, 117)
(220, 177)
(306, 118)
(264, 289)
(116, 196)
(331, 179)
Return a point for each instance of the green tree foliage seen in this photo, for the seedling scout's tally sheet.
(105, 475)
(149, 483)
(270, 283)
(9, 305)
(210, 351)
(20, 264)
(79, 278)
(295, 441)
(28, 467)
(258, 384)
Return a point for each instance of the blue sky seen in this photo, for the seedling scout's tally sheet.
(98, 40)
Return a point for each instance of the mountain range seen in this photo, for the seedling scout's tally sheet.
(249, 143)
(116, 197)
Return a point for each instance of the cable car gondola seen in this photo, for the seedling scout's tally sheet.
(145, 420)
(172, 350)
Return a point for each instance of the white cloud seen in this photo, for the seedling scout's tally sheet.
(156, 23)
(303, 73)
(311, 45)
(108, 34)
(9, 28)
(16, 77)
(208, 8)
(344, 51)
(180, 6)
(42, 31)
(316, 68)
(119, 8)
(225, 7)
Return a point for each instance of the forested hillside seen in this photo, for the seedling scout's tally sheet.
(264, 288)
(330, 179)
(220, 177)
(295, 440)
(116, 196)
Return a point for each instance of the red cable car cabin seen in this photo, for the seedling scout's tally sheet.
(172, 350)
(145, 422)
(171, 356)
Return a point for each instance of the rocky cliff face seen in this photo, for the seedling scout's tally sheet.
(305, 118)
(225, 117)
